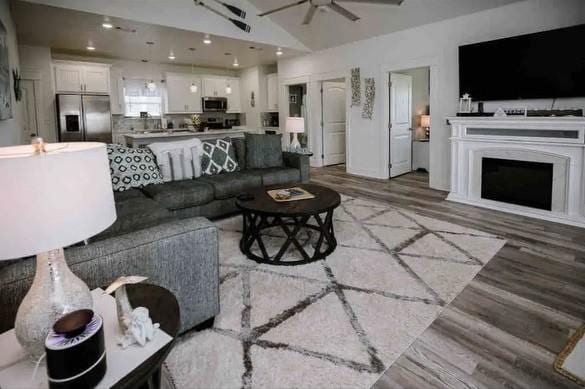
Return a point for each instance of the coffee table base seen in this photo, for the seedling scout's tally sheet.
(254, 224)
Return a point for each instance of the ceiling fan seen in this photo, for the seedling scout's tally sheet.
(330, 5)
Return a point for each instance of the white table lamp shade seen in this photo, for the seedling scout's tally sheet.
(295, 125)
(55, 199)
(425, 121)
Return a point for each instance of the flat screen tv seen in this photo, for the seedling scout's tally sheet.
(548, 64)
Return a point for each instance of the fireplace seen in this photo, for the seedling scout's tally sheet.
(525, 183)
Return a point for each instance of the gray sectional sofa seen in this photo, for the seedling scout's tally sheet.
(162, 232)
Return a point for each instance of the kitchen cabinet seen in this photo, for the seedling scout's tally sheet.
(234, 101)
(272, 92)
(180, 99)
(82, 78)
(214, 87)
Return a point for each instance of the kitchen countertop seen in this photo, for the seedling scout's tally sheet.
(182, 133)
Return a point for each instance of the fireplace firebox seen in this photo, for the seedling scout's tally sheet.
(525, 183)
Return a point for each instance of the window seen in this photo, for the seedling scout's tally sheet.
(138, 98)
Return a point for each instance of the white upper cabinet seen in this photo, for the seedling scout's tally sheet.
(180, 98)
(272, 92)
(214, 87)
(82, 78)
(234, 102)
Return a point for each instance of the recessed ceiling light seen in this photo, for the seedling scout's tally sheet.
(107, 25)
(236, 64)
(279, 51)
(90, 47)
(172, 56)
(226, 54)
(207, 39)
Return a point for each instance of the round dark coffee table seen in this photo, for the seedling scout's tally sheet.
(262, 212)
(164, 309)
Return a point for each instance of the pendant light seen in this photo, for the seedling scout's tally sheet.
(228, 88)
(193, 88)
(150, 85)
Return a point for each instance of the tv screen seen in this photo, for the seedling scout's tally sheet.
(548, 64)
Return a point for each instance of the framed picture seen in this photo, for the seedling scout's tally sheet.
(5, 84)
(292, 99)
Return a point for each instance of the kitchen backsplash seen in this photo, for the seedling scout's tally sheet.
(123, 124)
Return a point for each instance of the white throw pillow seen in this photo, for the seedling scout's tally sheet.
(179, 160)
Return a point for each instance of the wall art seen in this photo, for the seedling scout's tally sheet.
(356, 89)
(5, 84)
(370, 95)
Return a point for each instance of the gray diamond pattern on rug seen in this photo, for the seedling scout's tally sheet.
(335, 323)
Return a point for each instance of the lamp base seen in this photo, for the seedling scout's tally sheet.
(295, 144)
(55, 291)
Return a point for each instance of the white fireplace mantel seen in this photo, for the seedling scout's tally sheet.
(559, 141)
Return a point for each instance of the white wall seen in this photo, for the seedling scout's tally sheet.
(11, 130)
(35, 63)
(434, 44)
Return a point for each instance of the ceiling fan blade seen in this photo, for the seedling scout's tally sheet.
(383, 2)
(233, 9)
(310, 14)
(283, 7)
(342, 11)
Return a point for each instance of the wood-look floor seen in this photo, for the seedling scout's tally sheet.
(506, 328)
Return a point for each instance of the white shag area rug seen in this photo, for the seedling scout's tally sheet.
(335, 323)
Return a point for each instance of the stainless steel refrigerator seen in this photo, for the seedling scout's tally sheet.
(84, 118)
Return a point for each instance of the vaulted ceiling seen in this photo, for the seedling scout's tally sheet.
(67, 25)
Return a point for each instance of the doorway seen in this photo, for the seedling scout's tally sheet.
(297, 107)
(30, 97)
(333, 122)
(409, 120)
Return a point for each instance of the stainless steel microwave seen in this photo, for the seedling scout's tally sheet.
(214, 104)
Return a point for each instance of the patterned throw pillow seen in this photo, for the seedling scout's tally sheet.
(218, 157)
(132, 168)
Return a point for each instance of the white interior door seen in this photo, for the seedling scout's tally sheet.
(334, 124)
(400, 124)
(31, 122)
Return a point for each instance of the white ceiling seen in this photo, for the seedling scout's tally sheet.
(329, 29)
(67, 31)
(67, 25)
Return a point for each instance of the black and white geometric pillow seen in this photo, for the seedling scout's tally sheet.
(218, 157)
(132, 168)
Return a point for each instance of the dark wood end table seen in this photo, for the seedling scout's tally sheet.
(262, 212)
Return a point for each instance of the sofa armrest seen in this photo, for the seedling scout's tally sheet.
(181, 256)
(298, 161)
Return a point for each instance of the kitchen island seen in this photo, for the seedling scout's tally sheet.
(141, 139)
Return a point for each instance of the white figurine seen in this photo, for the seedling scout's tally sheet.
(139, 328)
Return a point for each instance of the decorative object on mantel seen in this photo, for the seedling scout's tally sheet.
(77, 202)
(76, 351)
(135, 322)
(356, 88)
(465, 103)
(500, 113)
(17, 90)
(5, 95)
(370, 94)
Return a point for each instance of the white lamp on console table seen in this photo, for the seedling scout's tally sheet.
(295, 126)
(52, 196)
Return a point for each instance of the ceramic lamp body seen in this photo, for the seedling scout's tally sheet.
(55, 291)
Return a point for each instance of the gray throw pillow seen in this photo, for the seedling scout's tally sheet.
(218, 157)
(263, 151)
(132, 168)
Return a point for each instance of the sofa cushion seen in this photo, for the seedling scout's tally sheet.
(240, 149)
(263, 151)
(132, 168)
(277, 175)
(134, 212)
(232, 184)
(180, 194)
(218, 157)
